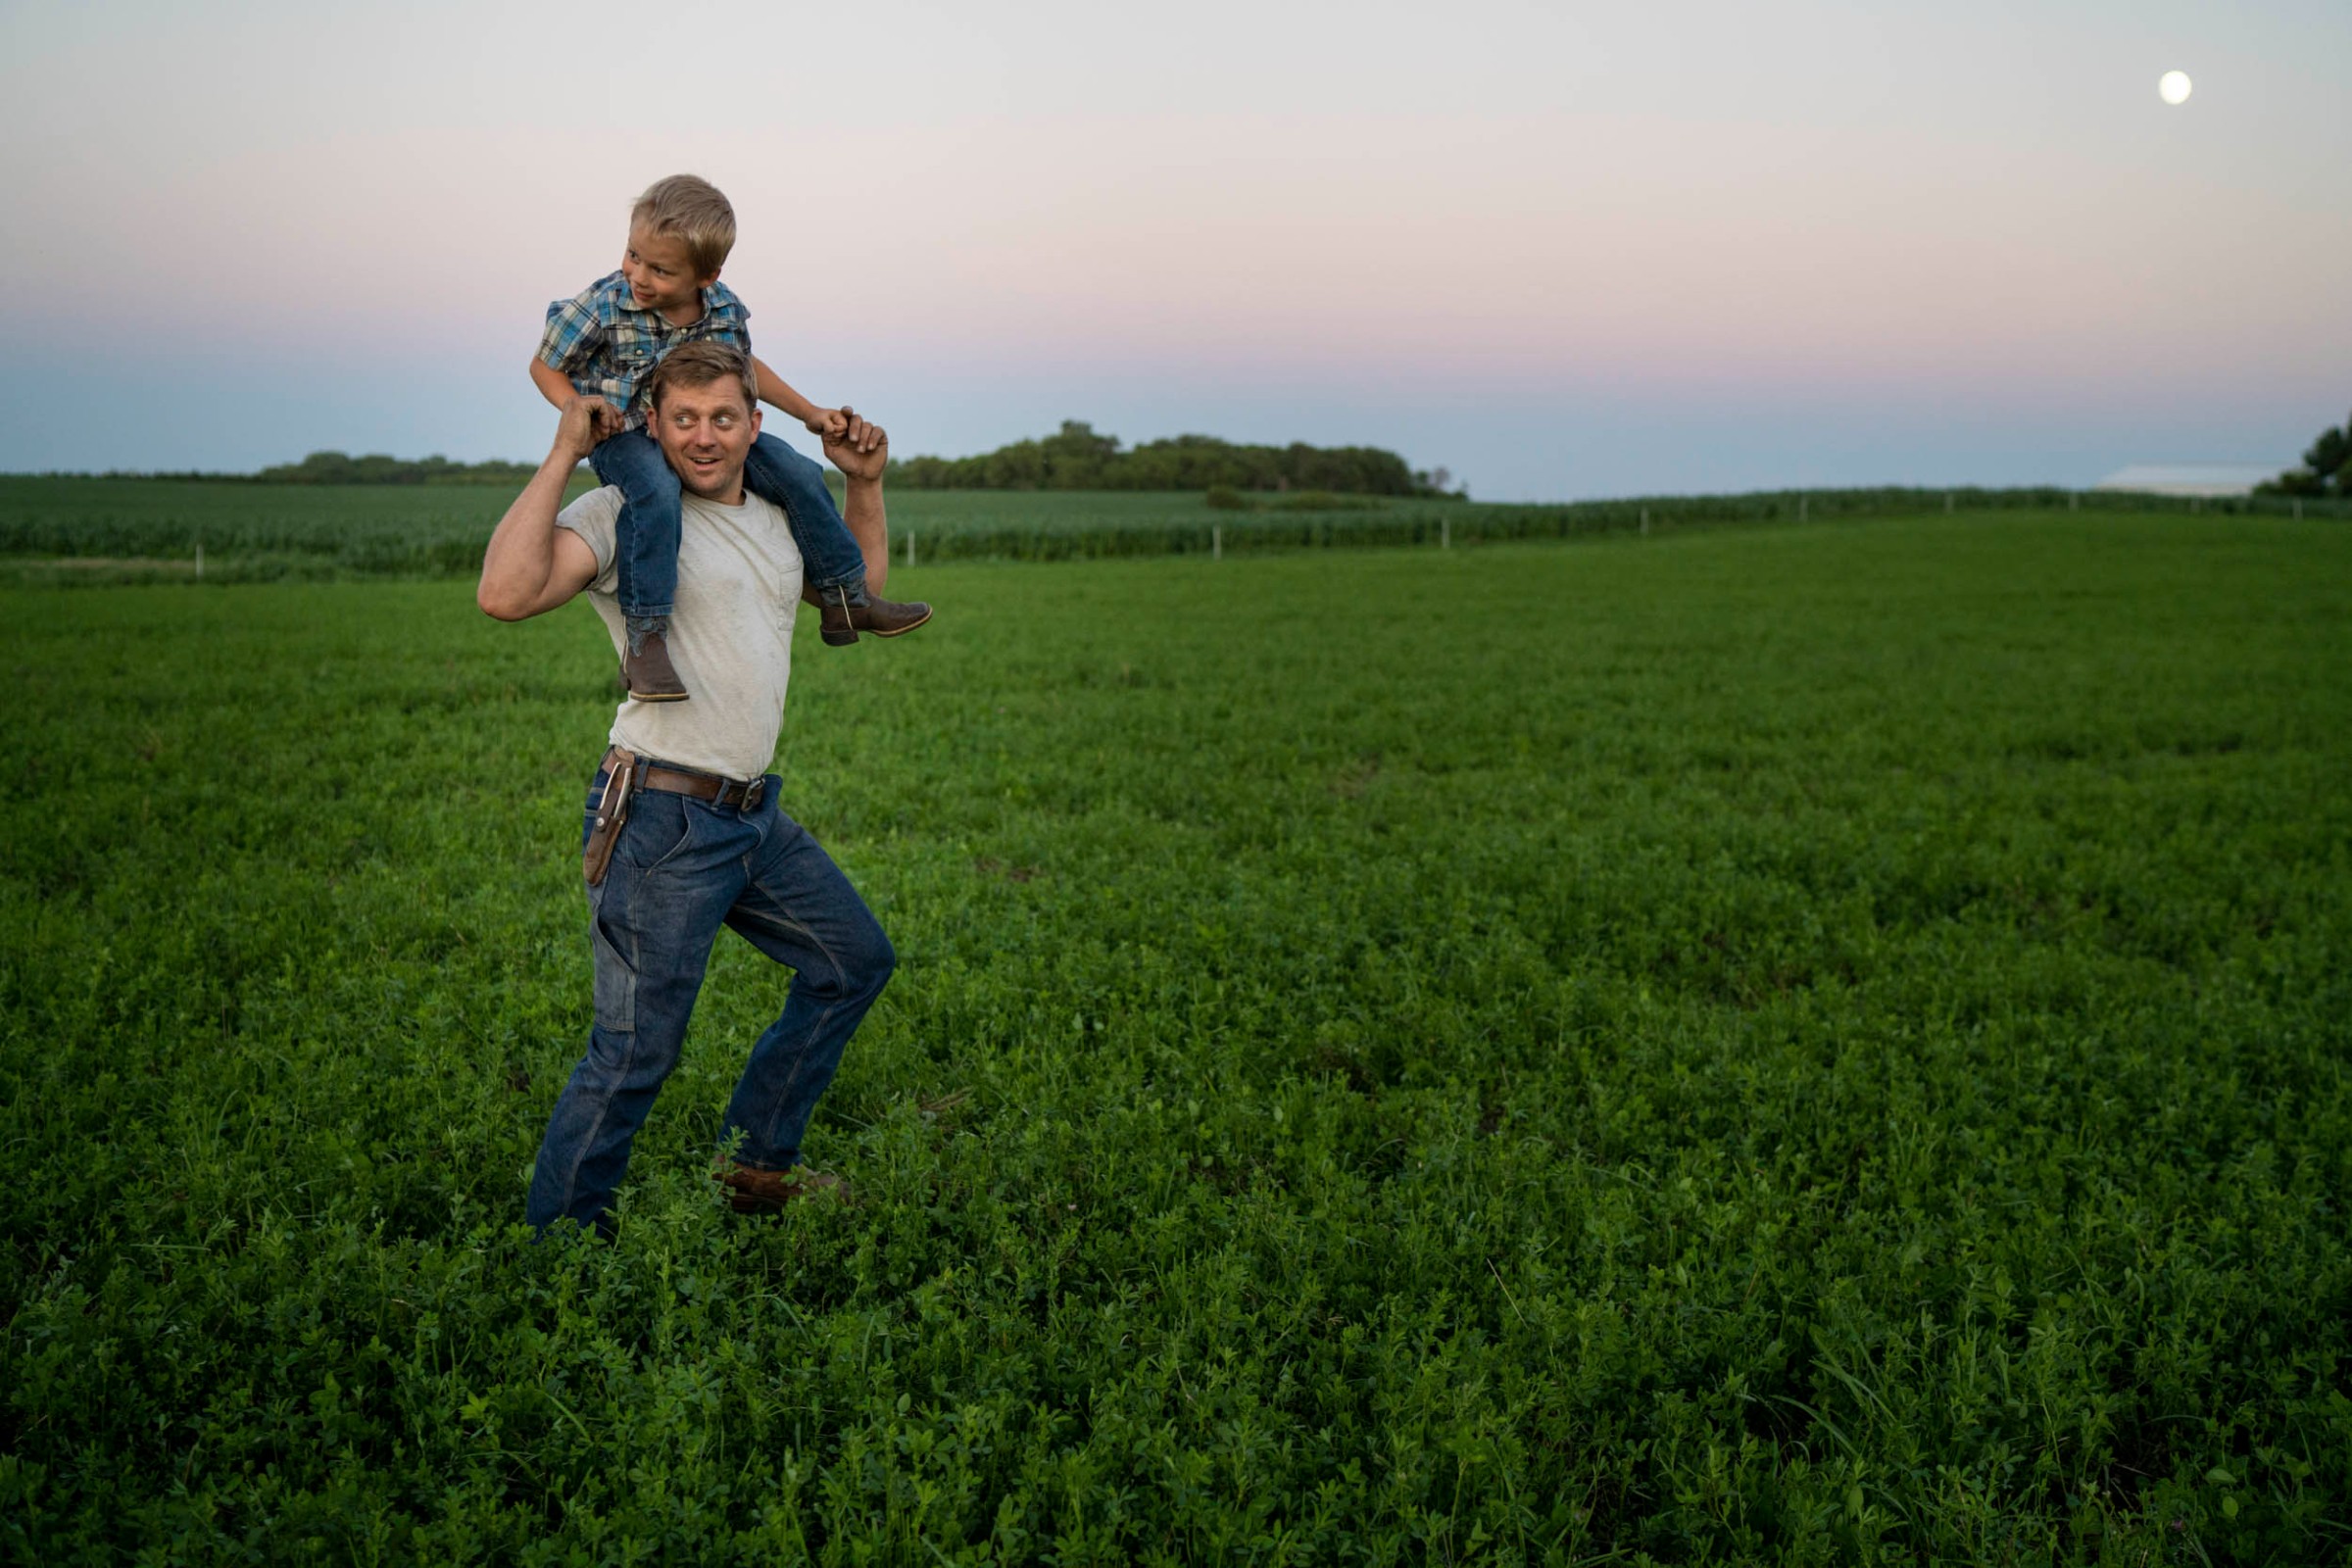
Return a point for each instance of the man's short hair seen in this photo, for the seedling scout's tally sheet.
(700, 362)
(689, 208)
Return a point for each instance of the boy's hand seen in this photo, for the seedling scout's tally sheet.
(861, 450)
(605, 418)
(831, 423)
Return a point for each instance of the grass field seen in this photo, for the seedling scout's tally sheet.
(1814, 1045)
(151, 528)
(61, 531)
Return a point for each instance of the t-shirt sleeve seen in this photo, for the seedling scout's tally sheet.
(596, 518)
(573, 330)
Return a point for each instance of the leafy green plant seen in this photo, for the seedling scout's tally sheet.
(1799, 1045)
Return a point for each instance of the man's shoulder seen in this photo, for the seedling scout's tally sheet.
(594, 519)
(599, 509)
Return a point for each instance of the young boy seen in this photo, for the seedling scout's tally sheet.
(604, 345)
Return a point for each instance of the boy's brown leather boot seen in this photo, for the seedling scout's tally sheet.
(843, 620)
(651, 676)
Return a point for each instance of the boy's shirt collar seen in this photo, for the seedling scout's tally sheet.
(607, 347)
(719, 302)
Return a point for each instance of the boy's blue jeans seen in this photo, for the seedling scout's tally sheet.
(684, 868)
(648, 527)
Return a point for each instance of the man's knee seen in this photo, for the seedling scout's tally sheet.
(866, 968)
(623, 1060)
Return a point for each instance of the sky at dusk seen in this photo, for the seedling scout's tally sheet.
(1561, 250)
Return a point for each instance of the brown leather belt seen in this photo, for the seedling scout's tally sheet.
(652, 775)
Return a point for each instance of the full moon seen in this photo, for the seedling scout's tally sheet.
(2172, 87)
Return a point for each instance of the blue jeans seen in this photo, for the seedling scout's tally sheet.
(648, 529)
(682, 868)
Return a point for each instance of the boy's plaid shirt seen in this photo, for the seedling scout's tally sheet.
(607, 347)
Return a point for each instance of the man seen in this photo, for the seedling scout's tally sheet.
(683, 832)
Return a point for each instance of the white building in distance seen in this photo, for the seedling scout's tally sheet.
(2187, 478)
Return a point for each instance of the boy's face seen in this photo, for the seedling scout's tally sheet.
(659, 275)
(706, 432)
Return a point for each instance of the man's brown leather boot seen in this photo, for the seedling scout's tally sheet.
(752, 1190)
(651, 676)
(843, 620)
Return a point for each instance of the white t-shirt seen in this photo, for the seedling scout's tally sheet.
(730, 637)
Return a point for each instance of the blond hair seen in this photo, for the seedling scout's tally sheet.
(689, 208)
(700, 362)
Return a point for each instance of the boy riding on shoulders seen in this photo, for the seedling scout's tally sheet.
(602, 345)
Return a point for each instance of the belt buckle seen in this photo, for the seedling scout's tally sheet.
(753, 792)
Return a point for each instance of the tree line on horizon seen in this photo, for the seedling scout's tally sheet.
(376, 468)
(1074, 458)
(2326, 470)
(1078, 457)
(341, 467)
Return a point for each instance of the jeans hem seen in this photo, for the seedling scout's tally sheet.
(855, 583)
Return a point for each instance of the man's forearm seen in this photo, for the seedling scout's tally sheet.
(523, 549)
(869, 525)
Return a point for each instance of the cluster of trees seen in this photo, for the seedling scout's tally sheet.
(1079, 458)
(1075, 458)
(2326, 470)
(336, 468)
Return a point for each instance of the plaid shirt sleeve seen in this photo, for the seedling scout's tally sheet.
(575, 329)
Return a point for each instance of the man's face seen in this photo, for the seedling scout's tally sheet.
(706, 432)
(659, 274)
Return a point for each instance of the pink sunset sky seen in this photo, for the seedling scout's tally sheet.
(1560, 250)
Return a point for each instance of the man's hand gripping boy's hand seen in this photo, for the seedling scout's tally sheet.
(603, 421)
(861, 450)
(585, 421)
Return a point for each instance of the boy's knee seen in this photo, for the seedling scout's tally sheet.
(785, 461)
(633, 461)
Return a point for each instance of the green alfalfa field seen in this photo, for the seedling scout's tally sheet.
(1813, 1043)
